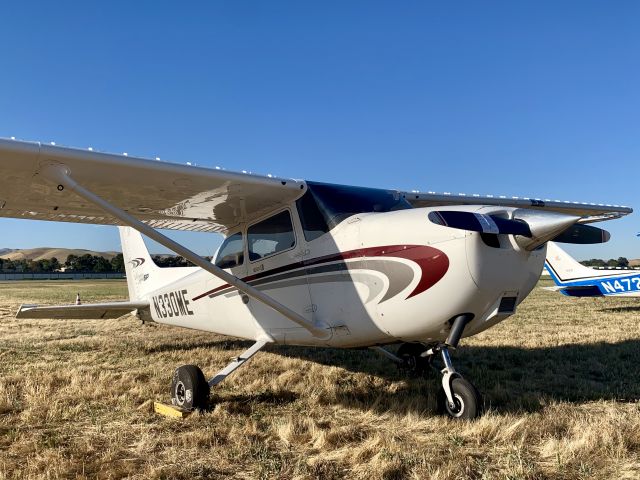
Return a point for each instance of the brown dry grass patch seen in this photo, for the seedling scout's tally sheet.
(559, 379)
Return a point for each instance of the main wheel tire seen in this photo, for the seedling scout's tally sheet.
(412, 362)
(189, 388)
(467, 399)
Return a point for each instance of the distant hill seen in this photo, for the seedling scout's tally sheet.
(634, 263)
(46, 253)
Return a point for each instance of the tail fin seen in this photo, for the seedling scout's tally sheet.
(564, 268)
(143, 275)
(137, 262)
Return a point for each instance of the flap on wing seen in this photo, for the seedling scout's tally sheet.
(590, 212)
(163, 195)
(87, 311)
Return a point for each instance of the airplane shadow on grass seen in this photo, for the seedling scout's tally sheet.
(511, 379)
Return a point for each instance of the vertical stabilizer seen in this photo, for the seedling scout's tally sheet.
(564, 268)
(143, 275)
(137, 262)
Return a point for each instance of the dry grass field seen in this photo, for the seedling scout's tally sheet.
(560, 381)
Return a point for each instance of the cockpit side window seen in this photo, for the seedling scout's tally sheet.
(231, 252)
(313, 222)
(271, 236)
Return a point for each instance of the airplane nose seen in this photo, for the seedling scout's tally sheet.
(501, 268)
(544, 226)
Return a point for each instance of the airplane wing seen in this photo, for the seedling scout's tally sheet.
(163, 195)
(184, 197)
(87, 311)
(590, 212)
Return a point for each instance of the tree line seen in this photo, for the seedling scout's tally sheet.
(86, 263)
(611, 263)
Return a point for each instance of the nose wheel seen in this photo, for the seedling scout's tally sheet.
(466, 400)
(458, 397)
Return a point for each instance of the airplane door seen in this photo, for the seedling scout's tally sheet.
(231, 315)
(275, 251)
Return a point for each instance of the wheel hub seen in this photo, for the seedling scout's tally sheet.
(181, 393)
(457, 409)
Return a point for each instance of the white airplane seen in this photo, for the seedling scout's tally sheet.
(575, 280)
(303, 263)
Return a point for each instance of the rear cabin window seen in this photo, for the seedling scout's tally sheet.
(231, 253)
(271, 236)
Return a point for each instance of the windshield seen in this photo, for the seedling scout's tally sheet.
(324, 205)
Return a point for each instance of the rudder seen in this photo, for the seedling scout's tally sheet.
(138, 263)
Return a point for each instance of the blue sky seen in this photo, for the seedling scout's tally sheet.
(535, 99)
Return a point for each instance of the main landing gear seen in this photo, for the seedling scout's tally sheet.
(189, 387)
(458, 398)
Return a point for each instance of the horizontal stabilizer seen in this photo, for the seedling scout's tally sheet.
(552, 289)
(581, 291)
(88, 311)
(577, 291)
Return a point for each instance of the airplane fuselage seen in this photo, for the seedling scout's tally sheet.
(576, 280)
(375, 278)
(606, 284)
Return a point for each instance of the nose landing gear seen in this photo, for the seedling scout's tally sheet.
(458, 397)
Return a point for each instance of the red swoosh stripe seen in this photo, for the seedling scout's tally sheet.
(432, 262)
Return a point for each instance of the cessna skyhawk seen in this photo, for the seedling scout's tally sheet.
(303, 263)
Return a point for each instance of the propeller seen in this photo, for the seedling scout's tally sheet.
(583, 235)
(479, 222)
(531, 228)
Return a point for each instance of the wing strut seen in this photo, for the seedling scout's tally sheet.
(59, 174)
